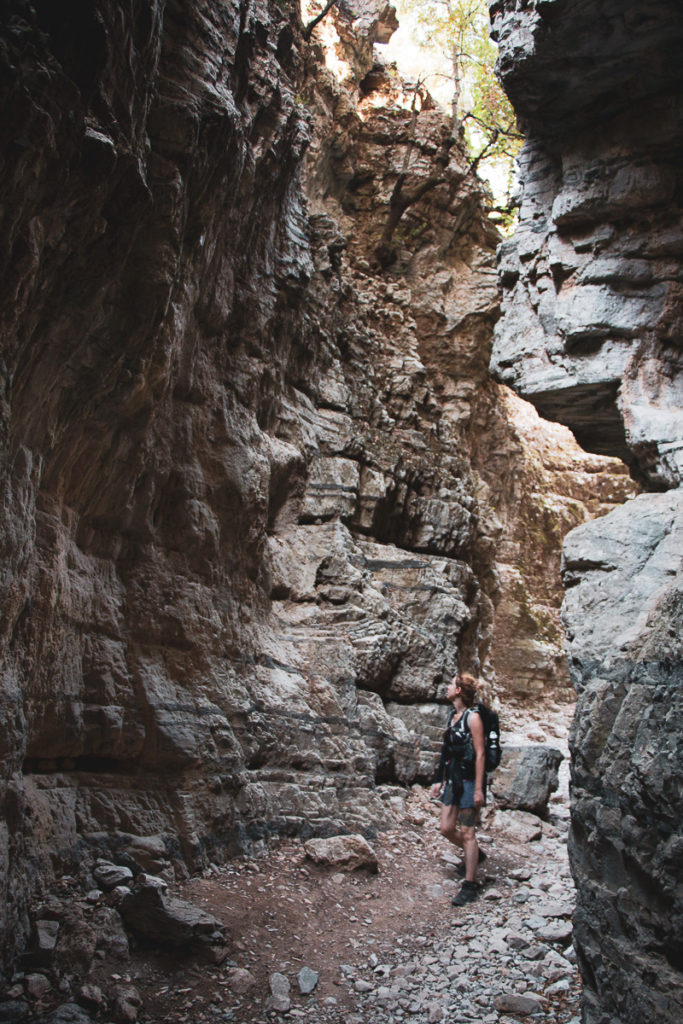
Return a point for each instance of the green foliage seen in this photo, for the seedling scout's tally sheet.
(459, 31)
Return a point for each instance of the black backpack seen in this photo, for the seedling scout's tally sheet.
(460, 740)
(492, 747)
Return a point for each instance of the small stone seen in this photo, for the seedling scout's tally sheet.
(127, 1003)
(279, 989)
(154, 880)
(563, 985)
(521, 874)
(306, 980)
(46, 933)
(521, 1003)
(560, 933)
(345, 853)
(240, 980)
(556, 910)
(493, 894)
(37, 985)
(363, 986)
(109, 876)
(91, 997)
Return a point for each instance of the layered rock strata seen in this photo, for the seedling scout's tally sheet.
(592, 279)
(245, 537)
(591, 333)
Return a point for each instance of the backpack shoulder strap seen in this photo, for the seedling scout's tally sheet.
(479, 708)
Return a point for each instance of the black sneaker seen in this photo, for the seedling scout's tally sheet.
(469, 891)
(460, 870)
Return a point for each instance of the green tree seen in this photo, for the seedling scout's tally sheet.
(459, 31)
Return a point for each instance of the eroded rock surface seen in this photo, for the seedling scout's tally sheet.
(248, 509)
(592, 324)
(592, 333)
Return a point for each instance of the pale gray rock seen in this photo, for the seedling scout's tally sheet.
(590, 311)
(344, 853)
(556, 933)
(361, 985)
(521, 826)
(523, 1004)
(279, 992)
(109, 876)
(307, 980)
(590, 332)
(526, 777)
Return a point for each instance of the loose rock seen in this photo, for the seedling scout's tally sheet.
(345, 853)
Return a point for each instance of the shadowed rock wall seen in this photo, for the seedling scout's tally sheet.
(591, 333)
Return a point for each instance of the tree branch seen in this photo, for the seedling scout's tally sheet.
(316, 21)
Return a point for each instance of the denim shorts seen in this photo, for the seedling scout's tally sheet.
(469, 814)
(466, 798)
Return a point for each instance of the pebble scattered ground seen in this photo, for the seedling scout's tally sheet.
(315, 944)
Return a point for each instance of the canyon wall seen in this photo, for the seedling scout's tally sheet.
(260, 495)
(591, 333)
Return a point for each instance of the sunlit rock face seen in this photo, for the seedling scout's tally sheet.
(591, 333)
(254, 484)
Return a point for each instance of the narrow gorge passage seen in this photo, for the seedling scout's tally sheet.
(265, 487)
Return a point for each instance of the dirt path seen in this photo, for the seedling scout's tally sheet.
(387, 946)
(382, 948)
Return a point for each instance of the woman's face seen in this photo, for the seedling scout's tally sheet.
(453, 690)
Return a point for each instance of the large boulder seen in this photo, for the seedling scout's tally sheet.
(344, 853)
(526, 777)
(170, 921)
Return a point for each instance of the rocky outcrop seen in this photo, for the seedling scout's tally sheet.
(623, 619)
(244, 531)
(591, 333)
(592, 279)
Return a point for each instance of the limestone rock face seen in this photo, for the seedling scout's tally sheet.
(592, 282)
(591, 333)
(247, 507)
(623, 616)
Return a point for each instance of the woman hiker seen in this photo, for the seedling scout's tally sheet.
(461, 781)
